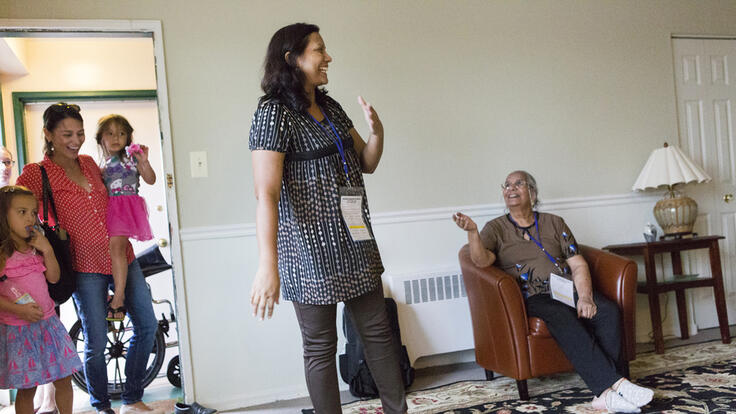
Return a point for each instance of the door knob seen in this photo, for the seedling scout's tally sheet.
(727, 197)
(162, 243)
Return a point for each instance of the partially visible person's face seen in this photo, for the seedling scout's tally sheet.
(114, 138)
(67, 138)
(516, 192)
(313, 62)
(7, 167)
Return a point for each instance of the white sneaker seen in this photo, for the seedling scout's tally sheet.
(635, 394)
(617, 404)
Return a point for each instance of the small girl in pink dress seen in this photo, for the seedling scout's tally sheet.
(34, 346)
(127, 216)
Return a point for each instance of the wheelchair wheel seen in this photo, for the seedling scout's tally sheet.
(173, 372)
(118, 340)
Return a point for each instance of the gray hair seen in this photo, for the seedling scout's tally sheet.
(532, 186)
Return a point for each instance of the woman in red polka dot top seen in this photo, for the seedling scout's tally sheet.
(81, 202)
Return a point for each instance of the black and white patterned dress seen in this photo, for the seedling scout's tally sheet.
(319, 263)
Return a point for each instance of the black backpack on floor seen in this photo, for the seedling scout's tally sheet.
(353, 367)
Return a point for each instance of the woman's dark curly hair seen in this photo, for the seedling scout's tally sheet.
(282, 78)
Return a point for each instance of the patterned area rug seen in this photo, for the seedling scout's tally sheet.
(697, 378)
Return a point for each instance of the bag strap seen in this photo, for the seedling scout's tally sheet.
(48, 198)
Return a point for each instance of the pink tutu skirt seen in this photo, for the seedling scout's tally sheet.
(127, 216)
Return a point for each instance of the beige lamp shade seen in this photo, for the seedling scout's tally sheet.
(675, 213)
(669, 166)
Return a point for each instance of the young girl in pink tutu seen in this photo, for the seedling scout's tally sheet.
(127, 216)
(34, 346)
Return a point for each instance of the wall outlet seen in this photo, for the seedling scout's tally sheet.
(198, 163)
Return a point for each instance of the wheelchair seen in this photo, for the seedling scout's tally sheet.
(119, 335)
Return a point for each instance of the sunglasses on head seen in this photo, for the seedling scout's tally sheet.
(63, 106)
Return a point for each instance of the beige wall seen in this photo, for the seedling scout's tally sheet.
(578, 92)
(74, 64)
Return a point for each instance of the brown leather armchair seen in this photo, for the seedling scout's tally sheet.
(512, 344)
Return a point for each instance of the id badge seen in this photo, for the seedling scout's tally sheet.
(351, 207)
(562, 289)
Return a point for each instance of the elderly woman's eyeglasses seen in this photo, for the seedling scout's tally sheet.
(8, 163)
(516, 184)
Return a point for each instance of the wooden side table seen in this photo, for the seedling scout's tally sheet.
(681, 282)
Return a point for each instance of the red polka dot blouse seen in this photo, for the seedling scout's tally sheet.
(82, 212)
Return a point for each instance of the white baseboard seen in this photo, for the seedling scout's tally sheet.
(249, 399)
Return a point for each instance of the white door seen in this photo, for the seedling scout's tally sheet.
(143, 117)
(705, 76)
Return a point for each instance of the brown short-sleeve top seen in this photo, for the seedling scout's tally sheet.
(521, 256)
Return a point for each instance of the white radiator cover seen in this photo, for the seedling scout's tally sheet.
(434, 316)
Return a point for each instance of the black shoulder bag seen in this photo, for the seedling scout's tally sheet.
(62, 290)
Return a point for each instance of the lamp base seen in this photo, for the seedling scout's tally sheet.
(676, 213)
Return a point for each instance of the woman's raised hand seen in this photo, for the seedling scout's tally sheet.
(371, 117)
(464, 222)
(264, 293)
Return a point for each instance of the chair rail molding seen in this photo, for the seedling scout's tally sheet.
(435, 214)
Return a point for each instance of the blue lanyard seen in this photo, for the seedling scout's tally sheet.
(338, 141)
(537, 242)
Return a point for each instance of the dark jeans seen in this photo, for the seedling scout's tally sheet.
(319, 336)
(91, 300)
(593, 346)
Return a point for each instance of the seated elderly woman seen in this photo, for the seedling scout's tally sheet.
(534, 246)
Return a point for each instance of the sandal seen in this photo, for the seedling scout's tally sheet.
(111, 312)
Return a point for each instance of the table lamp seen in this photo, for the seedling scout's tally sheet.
(669, 166)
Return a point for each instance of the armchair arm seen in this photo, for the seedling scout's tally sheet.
(615, 277)
(498, 314)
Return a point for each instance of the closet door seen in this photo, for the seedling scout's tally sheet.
(705, 72)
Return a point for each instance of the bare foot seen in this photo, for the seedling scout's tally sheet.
(138, 408)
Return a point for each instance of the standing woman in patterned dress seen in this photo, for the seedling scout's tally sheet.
(312, 222)
(81, 202)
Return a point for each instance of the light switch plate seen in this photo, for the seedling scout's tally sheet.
(198, 163)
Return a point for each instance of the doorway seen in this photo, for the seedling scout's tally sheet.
(705, 85)
(146, 109)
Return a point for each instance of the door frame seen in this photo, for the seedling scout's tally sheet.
(21, 98)
(137, 28)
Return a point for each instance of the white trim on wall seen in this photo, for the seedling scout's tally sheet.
(702, 36)
(434, 214)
